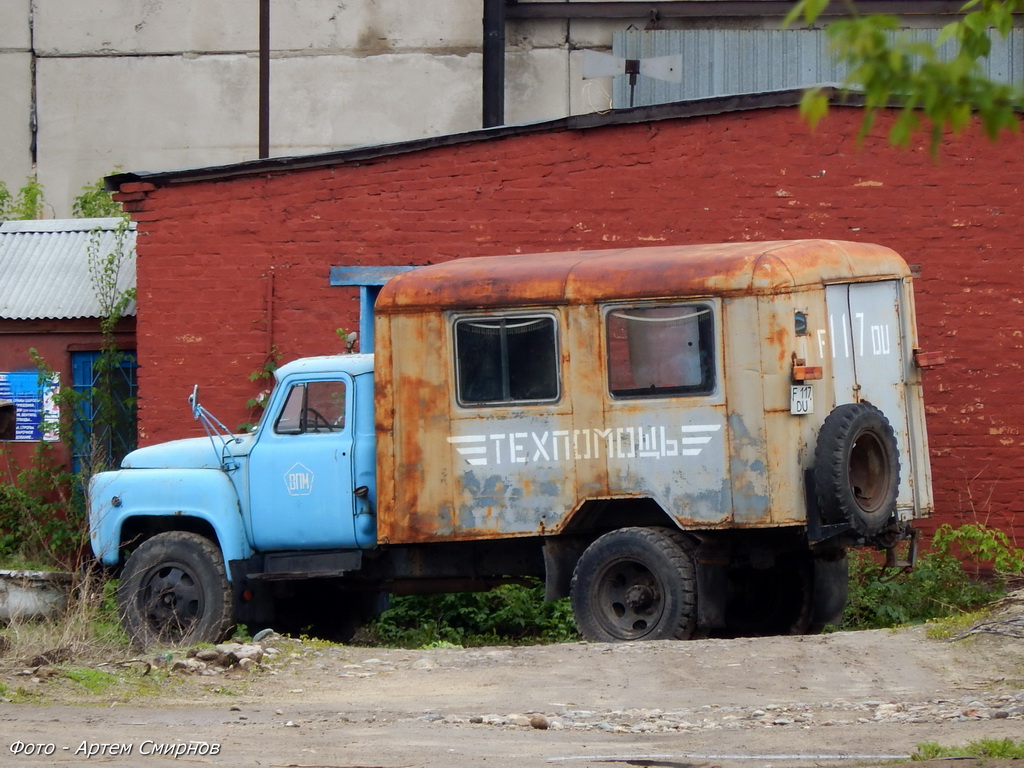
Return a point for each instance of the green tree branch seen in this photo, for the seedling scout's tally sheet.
(932, 91)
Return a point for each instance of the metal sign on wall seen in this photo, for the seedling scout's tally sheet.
(27, 408)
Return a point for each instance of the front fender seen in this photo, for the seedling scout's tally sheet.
(204, 494)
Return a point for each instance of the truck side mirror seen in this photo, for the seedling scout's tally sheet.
(193, 401)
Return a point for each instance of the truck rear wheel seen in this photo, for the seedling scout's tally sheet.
(635, 584)
(772, 601)
(174, 591)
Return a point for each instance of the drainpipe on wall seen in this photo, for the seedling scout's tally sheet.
(270, 313)
(264, 105)
(34, 96)
(494, 63)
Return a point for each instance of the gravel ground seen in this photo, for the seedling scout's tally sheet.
(858, 698)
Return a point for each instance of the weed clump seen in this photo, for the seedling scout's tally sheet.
(967, 568)
(509, 614)
(87, 628)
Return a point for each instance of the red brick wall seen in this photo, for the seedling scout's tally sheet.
(228, 268)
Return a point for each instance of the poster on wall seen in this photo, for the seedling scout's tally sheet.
(28, 411)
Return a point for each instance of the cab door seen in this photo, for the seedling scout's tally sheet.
(300, 470)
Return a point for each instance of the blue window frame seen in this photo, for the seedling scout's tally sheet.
(117, 438)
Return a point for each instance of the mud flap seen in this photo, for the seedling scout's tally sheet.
(560, 557)
(831, 585)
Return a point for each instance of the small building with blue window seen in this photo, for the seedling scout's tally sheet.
(58, 280)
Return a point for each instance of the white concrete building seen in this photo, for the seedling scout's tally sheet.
(88, 87)
(91, 87)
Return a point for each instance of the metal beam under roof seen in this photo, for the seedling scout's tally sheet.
(585, 121)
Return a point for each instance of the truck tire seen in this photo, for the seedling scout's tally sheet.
(635, 584)
(831, 589)
(857, 468)
(772, 601)
(174, 591)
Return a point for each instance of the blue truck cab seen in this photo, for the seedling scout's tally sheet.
(302, 481)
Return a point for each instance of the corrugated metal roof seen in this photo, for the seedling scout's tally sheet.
(722, 62)
(44, 267)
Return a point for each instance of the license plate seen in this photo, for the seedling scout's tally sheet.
(801, 399)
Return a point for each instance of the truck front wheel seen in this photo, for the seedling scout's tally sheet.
(635, 584)
(174, 591)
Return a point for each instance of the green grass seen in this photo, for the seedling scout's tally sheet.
(19, 695)
(93, 681)
(953, 626)
(1004, 749)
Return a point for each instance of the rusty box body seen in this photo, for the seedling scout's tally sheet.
(517, 396)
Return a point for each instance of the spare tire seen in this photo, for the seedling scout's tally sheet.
(857, 468)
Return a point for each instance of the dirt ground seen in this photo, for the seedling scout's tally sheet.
(861, 698)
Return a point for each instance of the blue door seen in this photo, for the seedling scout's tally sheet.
(105, 414)
(300, 471)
